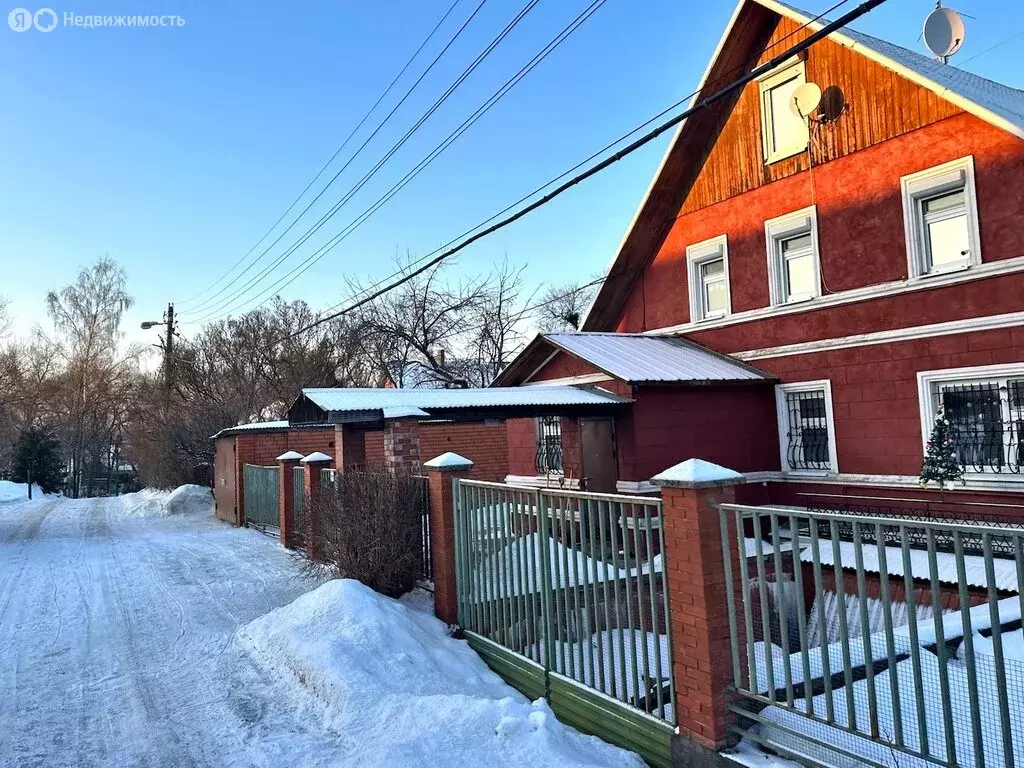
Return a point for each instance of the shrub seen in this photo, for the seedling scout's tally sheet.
(367, 526)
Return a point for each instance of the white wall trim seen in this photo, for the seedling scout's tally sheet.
(540, 367)
(636, 486)
(588, 378)
(880, 481)
(948, 328)
(879, 290)
(783, 421)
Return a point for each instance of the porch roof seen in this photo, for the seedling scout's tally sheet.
(635, 359)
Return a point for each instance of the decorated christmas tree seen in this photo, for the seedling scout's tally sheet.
(941, 464)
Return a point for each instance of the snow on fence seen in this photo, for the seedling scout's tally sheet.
(877, 641)
(571, 581)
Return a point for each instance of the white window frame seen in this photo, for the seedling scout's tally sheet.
(775, 232)
(915, 188)
(765, 85)
(697, 255)
(926, 380)
(819, 385)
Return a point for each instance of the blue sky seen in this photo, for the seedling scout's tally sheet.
(174, 149)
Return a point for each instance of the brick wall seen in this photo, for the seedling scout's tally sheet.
(486, 445)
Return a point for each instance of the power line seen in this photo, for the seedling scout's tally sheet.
(337, 152)
(317, 255)
(803, 45)
(530, 5)
(565, 173)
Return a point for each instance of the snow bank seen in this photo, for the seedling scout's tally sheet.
(403, 693)
(184, 500)
(10, 491)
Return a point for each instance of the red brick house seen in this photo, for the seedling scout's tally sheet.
(868, 261)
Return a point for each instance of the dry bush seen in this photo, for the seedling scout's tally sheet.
(367, 526)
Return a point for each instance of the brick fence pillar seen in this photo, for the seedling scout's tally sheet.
(698, 608)
(286, 464)
(441, 470)
(312, 465)
(402, 444)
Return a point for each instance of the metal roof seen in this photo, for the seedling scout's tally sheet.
(639, 359)
(259, 426)
(355, 399)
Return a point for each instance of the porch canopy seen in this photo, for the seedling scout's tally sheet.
(633, 358)
(370, 406)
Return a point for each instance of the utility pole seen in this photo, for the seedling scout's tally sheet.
(167, 346)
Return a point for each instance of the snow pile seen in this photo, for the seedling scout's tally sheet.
(10, 491)
(184, 500)
(403, 693)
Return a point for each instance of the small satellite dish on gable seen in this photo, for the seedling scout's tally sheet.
(943, 32)
(805, 100)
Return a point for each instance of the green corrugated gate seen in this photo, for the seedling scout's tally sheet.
(261, 491)
(563, 595)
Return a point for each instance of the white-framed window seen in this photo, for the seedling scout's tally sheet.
(940, 218)
(807, 433)
(707, 274)
(784, 132)
(793, 258)
(984, 406)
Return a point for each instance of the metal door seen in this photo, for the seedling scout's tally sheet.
(597, 448)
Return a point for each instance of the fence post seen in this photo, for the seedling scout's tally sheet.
(690, 495)
(441, 471)
(312, 465)
(286, 463)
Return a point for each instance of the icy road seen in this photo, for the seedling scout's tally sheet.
(116, 642)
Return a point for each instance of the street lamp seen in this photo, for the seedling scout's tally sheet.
(150, 324)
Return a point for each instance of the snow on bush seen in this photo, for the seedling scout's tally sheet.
(403, 693)
(184, 500)
(10, 491)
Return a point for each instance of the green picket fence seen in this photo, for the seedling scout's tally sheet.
(261, 496)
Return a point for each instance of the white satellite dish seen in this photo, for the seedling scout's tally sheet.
(943, 32)
(806, 99)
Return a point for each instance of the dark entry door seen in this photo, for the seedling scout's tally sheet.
(597, 446)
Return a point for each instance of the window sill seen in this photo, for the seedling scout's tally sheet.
(805, 473)
(709, 318)
(785, 155)
(944, 271)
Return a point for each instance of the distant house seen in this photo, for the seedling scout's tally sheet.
(798, 298)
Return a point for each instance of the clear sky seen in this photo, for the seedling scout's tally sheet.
(174, 149)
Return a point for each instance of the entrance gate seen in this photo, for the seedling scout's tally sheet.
(564, 595)
(261, 496)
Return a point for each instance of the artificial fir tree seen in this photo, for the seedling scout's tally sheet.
(941, 464)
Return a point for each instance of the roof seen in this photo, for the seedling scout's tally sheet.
(738, 51)
(633, 358)
(259, 426)
(429, 401)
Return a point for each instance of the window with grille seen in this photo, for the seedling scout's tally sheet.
(986, 418)
(549, 445)
(806, 428)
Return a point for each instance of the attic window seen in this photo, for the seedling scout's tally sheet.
(784, 133)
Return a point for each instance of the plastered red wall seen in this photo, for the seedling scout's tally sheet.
(561, 366)
(860, 221)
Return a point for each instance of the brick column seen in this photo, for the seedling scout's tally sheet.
(349, 447)
(698, 609)
(286, 464)
(440, 473)
(312, 465)
(402, 444)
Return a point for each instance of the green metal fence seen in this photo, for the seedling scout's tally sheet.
(563, 593)
(261, 496)
(297, 534)
(878, 641)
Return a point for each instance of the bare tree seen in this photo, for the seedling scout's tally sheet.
(562, 307)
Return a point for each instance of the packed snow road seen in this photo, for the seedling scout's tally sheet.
(116, 641)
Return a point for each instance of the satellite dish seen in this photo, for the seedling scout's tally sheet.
(943, 32)
(805, 100)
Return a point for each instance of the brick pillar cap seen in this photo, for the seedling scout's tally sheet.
(697, 473)
(316, 457)
(290, 456)
(448, 462)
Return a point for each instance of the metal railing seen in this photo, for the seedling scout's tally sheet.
(986, 420)
(426, 558)
(856, 640)
(572, 581)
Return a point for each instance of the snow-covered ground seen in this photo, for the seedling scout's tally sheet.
(120, 645)
(403, 693)
(10, 491)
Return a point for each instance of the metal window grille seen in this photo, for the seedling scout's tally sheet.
(549, 445)
(807, 430)
(986, 420)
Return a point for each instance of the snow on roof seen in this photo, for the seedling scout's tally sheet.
(356, 399)
(696, 472)
(448, 460)
(637, 358)
(974, 565)
(316, 457)
(403, 411)
(255, 426)
(289, 456)
(991, 101)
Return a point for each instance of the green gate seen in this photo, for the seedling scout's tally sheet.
(261, 494)
(563, 594)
